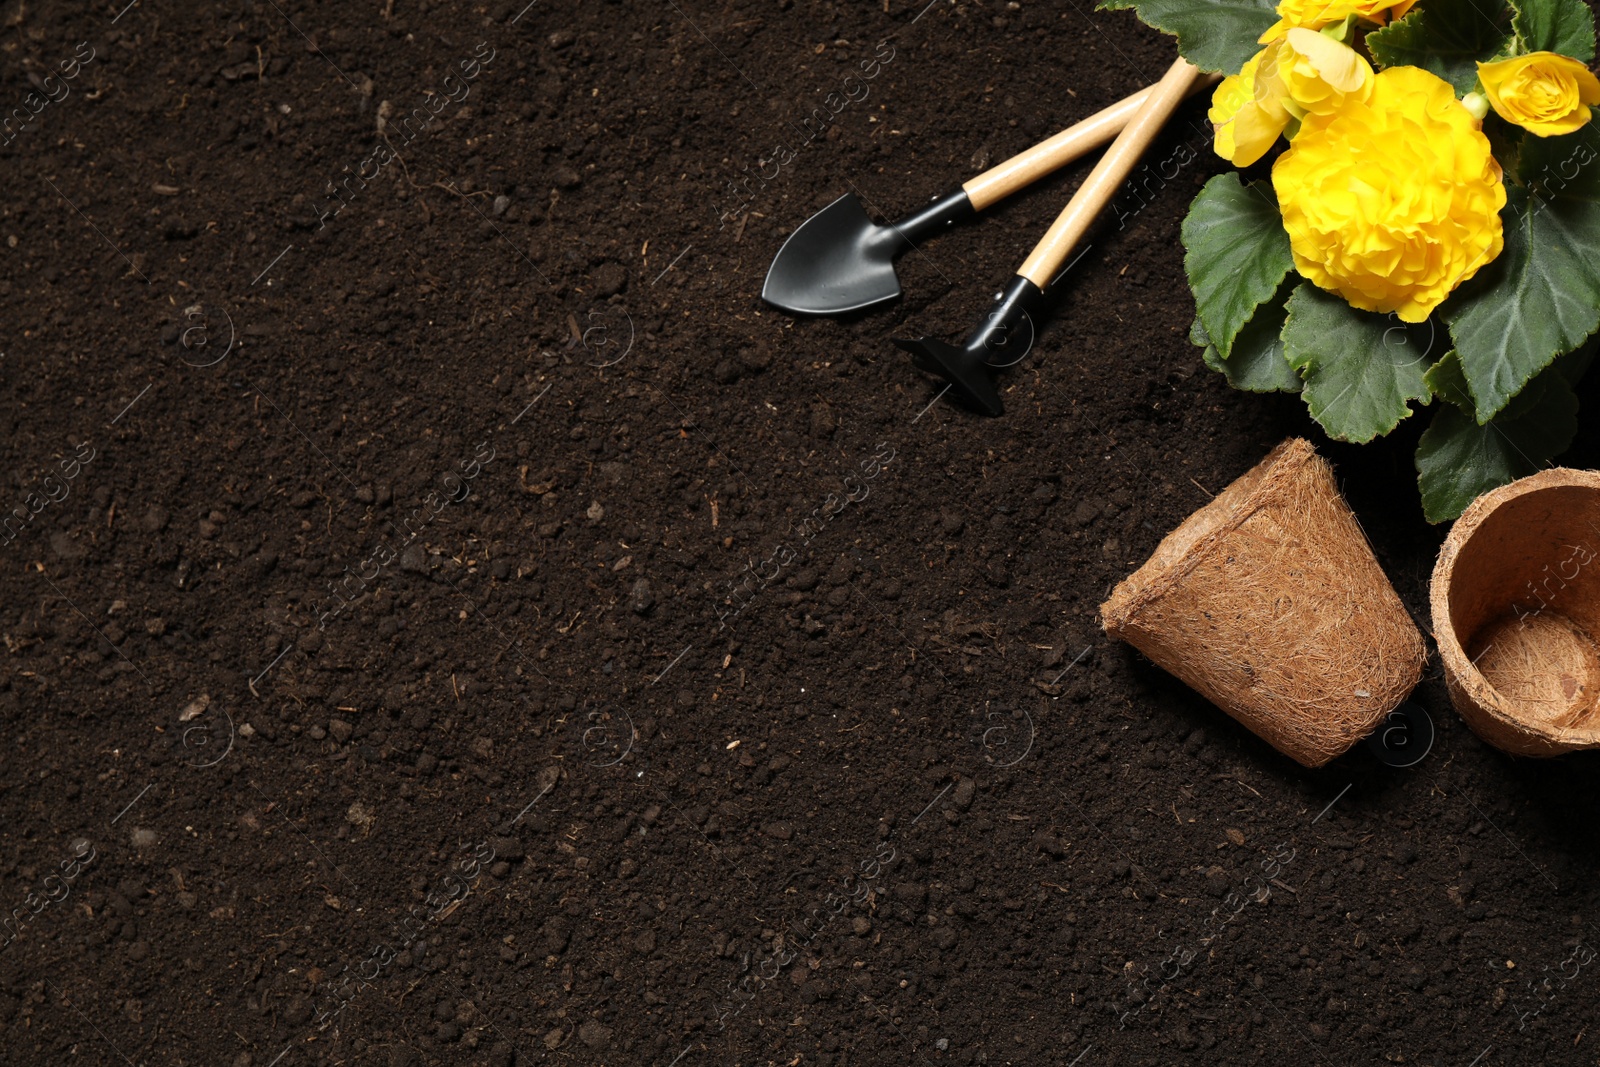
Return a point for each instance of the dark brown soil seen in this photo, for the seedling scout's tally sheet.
(485, 633)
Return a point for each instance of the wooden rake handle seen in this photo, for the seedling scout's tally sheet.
(1109, 173)
(1074, 142)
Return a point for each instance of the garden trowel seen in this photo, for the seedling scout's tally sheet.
(1007, 333)
(839, 260)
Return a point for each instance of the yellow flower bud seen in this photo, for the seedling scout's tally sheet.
(1394, 200)
(1544, 93)
(1303, 73)
(1246, 119)
(1317, 73)
(1315, 14)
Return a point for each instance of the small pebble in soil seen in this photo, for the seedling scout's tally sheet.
(609, 279)
(641, 599)
(507, 848)
(595, 1034)
(1049, 844)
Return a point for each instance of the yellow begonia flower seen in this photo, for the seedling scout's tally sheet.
(1246, 121)
(1544, 93)
(1317, 74)
(1393, 201)
(1315, 14)
(1303, 73)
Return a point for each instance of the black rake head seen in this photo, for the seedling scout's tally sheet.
(1004, 338)
(966, 369)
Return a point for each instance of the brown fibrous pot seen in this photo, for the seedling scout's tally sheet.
(1516, 613)
(1270, 603)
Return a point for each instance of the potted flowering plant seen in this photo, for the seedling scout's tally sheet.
(1427, 232)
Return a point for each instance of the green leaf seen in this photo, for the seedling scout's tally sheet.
(1237, 254)
(1563, 26)
(1458, 460)
(1256, 364)
(1448, 37)
(1361, 369)
(1449, 383)
(1215, 35)
(1541, 297)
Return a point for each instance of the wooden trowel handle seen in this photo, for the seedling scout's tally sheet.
(1112, 170)
(1025, 168)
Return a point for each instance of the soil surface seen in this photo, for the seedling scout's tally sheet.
(464, 625)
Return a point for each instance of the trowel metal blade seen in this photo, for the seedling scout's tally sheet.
(837, 261)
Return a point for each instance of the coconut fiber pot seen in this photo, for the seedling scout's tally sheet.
(1269, 602)
(1516, 613)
